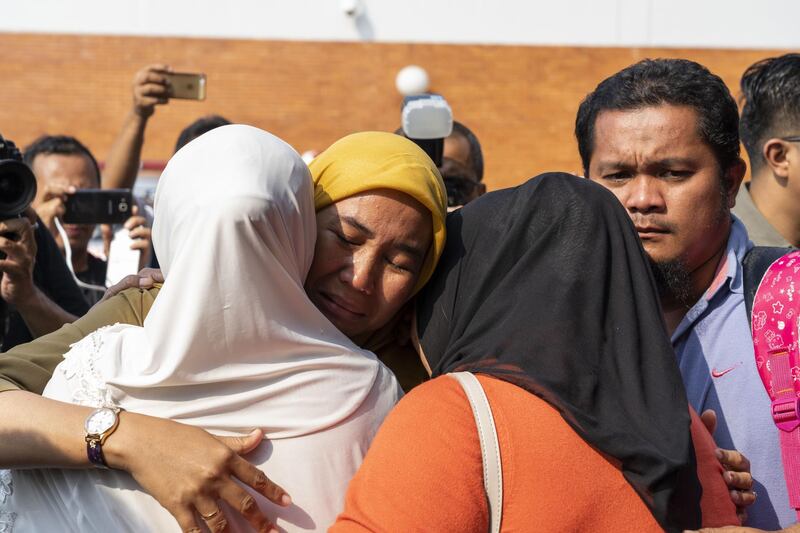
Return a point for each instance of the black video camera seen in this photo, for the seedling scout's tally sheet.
(17, 182)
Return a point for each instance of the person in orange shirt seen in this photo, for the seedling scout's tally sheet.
(545, 293)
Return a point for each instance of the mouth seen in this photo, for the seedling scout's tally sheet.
(650, 232)
(74, 231)
(340, 308)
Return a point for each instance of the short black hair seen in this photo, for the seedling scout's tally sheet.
(771, 94)
(655, 82)
(59, 145)
(198, 127)
(475, 152)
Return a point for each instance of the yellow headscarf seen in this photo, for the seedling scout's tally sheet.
(378, 160)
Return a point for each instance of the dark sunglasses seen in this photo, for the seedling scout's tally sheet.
(791, 138)
(459, 190)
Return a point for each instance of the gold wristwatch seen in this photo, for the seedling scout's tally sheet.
(99, 425)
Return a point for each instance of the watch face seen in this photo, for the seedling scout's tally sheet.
(100, 421)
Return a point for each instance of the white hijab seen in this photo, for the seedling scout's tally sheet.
(232, 342)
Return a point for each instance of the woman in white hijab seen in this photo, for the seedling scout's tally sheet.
(231, 344)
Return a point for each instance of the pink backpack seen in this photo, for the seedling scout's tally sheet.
(776, 326)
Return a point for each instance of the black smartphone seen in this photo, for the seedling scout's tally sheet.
(98, 206)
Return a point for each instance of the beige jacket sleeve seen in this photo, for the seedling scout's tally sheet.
(29, 366)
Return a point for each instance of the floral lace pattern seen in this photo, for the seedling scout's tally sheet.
(88, 388)
(6, 490)
(7, 522)
(79, 368)
(6, 485)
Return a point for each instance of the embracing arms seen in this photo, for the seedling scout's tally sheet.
(37, 431)
(29, 366)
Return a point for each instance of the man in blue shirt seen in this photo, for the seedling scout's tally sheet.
(662, 135)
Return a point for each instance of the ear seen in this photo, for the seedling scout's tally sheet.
(775, 152)
(733, 180)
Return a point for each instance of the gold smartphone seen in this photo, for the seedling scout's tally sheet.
(187, 85)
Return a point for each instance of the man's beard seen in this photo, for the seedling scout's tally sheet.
(673, 280)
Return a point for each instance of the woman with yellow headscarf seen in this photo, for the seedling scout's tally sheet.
(381, 206)
(380, 209)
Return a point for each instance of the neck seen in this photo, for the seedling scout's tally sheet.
(80, 260)
(701, 278)
(776, 205)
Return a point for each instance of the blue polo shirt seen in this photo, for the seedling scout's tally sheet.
(716, 359)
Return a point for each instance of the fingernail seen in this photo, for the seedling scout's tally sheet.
(145, 283)
(718, 453)
(286, 500)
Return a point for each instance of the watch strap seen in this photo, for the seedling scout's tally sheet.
(94, 451)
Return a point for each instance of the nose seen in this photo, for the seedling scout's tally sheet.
(363, 271)
(643, 195)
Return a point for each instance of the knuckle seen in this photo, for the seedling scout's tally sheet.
(187, 495)
(212, 473)
(226, 456)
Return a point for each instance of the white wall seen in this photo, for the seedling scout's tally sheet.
(668, 23)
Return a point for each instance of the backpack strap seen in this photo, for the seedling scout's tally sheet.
(490, 448)
(775, 320)
(754, 266)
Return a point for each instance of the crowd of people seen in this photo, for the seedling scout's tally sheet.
(303, 356)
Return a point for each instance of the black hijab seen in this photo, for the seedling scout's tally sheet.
(547, 286)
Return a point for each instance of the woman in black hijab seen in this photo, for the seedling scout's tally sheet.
(546, 287)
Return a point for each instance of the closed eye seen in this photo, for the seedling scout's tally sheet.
(343, 239)
(400, 267)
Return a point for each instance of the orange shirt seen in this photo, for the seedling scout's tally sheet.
(423, 471)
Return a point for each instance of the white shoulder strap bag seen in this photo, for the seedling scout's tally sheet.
(490, 448)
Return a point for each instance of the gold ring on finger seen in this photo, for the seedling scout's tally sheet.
(211, 516)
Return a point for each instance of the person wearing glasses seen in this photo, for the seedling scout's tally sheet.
(462, 166)
(769, 205)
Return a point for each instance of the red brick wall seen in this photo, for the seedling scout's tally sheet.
(521, 101)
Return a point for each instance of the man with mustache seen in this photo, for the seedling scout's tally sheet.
(662, 135)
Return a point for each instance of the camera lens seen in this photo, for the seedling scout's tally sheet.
(11, 189)
(17, 188)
